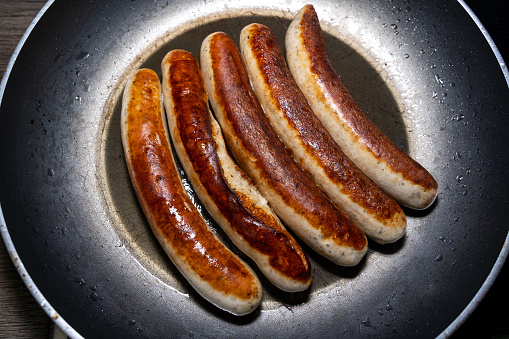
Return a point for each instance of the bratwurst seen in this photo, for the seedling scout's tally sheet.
(370, 150)
(291, 192)
(377, 214)
(211, 268)
(226, 191)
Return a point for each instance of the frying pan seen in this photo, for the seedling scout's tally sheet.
(423, 71)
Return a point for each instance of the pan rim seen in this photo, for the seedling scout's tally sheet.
(488, 283)
(493, 46)
(11, 249)
(29, 283)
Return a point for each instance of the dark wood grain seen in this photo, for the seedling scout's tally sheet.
(20, 315)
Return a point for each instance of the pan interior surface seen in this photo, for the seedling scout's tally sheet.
(77, 226)
(131, 224)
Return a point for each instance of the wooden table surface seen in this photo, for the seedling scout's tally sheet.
(20, 315)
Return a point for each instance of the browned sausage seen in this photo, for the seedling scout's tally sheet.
(229, 196)
(370, 150)
(377, 214)
(290, 191)
(212, 269)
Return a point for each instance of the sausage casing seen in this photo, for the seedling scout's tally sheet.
(211, 268)
(292, 194)
(225, 190)
(370, 150)
(377, 214)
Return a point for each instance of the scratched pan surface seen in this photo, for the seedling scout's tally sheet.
(422, 71)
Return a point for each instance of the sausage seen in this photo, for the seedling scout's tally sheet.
(370, 150)
(290, 191)
(211, 268)
(377, 214)
(225, 190)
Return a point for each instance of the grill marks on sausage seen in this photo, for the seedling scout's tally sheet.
(194, 123)
(382, 147)
(262, 144)
(169, 210)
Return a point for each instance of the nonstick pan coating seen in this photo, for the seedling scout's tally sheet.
(422, 70)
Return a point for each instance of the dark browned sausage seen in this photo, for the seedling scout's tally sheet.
(290, 191)
(229, 196)
(377, 214)
(369, 149)
(213, 270)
